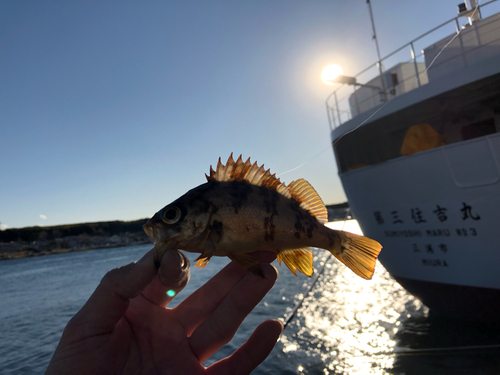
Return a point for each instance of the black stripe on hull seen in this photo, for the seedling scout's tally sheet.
(458, 301)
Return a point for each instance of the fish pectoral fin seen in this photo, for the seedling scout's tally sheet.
(248, 263)
(359, 253)
(204, 258)
(298, 259)
(202, 262)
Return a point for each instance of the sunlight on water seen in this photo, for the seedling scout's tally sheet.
(342, 325)
(347, 324)
(347, 226)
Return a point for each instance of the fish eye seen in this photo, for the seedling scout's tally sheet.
(171, 215)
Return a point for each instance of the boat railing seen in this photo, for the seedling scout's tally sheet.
(346, 102)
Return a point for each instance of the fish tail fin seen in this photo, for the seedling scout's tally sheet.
(359, 253)
(297, 259)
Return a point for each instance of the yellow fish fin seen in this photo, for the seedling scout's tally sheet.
(303, 193)
(202, 262)
(298, 259)
(207, 253)
(247, 262)
(245, 171)
(359, 254)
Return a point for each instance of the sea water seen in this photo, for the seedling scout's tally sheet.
(342, 325)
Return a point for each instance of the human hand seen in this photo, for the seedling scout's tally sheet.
(124, 327)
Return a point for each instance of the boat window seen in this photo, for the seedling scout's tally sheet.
(479, 129)
(468, 112)
(421, 137)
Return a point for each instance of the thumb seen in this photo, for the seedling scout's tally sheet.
(107, 305)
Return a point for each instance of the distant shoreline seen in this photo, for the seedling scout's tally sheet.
(33, 253)
(60, 239)
(40, 241)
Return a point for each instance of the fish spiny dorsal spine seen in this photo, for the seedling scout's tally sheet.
(245, 171)
(300, 191)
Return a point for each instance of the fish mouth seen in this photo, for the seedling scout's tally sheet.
(155, 234)
(161, 245)
(150, 231)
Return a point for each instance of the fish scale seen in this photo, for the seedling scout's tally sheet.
(243, 208)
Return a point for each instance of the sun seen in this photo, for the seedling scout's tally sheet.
(330, 73)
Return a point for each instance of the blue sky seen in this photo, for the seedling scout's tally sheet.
(109, 110)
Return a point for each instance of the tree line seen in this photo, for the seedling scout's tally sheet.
(105, 228)
(109, 228)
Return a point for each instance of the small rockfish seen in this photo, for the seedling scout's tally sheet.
(243, 208)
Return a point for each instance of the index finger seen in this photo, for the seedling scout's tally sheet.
(219, 328)
(201, 303)
(173, 275)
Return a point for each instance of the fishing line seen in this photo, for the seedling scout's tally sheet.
(298, 304)
(458, 350)
(314, 157)
(416, 80)
(442, 351)
(291, 170)
(386, 103)
(452, 39)
(407, 352)
(450, 350)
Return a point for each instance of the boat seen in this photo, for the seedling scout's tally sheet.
(418, 153)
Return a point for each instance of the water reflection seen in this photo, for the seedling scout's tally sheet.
(434, 344)
(346, 322)
(347, 325)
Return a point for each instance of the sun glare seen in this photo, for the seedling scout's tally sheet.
(330, 73)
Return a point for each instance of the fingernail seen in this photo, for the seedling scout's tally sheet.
(175, 256)
(277, 271)
(185, 260)
(175, 263)
(175, 267)
(180, 258)
(282, 324)
(267, 271)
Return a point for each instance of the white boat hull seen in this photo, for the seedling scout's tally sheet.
(437, 215)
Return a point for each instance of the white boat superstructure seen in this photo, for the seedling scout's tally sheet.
(419, 160)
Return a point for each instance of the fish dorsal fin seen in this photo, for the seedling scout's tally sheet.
(303, 193)
(240, 170)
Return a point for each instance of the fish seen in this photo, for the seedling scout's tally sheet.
(243, 208)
